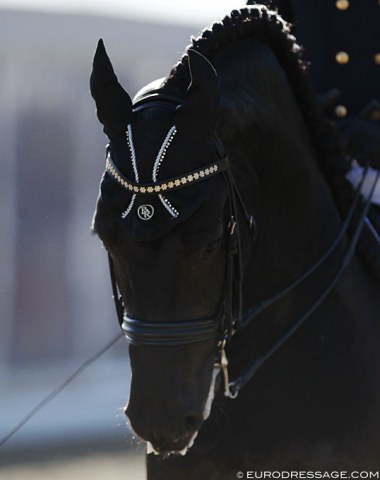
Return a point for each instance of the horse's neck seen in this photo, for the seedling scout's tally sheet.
(277, 169)
(264, 128)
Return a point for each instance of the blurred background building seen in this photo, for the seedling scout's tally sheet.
(55, 299)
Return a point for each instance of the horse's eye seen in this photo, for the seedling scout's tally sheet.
(212, 246)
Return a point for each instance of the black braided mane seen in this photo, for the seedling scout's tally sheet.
(257, 21)
(261, 23)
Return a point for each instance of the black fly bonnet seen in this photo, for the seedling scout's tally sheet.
(152, 205)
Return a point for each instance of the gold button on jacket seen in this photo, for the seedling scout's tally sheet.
(340, 111)
(342, 57)
(342, 4)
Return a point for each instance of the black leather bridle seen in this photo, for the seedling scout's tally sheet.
(230, 318)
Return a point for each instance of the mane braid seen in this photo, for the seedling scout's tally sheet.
(259, 22)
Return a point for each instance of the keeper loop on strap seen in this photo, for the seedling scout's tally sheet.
(232, 225)
(253, 226)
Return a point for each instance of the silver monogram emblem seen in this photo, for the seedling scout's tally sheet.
(145, 212)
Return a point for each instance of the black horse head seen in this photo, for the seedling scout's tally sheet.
(234, 130)
(163, 216)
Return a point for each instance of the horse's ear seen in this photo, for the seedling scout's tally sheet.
(198, 115)
(113, 104)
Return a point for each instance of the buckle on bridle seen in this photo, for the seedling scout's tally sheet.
(223, 366)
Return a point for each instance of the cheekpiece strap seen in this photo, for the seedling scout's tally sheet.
(174, 183)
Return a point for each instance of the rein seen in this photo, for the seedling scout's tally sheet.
(249, 372)
(230, 318)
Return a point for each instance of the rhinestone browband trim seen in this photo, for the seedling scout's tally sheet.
(168, 185)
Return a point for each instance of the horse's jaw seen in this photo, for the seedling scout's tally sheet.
(206, 413)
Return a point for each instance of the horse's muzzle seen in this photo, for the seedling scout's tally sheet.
(170, 434)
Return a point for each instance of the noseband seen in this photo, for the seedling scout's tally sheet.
(230, 317)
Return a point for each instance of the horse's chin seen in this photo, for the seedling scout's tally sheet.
(183, 449)
(180, 449)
